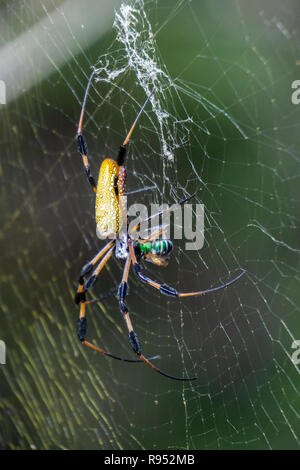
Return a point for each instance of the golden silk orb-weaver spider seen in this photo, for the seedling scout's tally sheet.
(109, 221)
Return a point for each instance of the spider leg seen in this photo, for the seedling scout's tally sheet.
(139, 190)
(80, 294)
(81, 331)
(80, 140)
(103, 297)
(133, 339)
(80, 298)
(154, 235)
(179, 203)
(90, 281)
(122, 150)
(167, 290)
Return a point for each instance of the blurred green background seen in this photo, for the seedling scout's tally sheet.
(235, 137)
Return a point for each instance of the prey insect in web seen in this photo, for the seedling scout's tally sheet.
(110, 220)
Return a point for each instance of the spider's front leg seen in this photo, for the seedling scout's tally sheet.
(80, 140)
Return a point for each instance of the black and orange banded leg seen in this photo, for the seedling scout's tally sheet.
(81, 331)
(170, 291)
(133, 339)
(158, 214)
(82, 147)
(122, 150)
(81, 299)
(80, 294)
(90, 281)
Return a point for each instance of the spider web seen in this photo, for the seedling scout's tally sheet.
(220, 124)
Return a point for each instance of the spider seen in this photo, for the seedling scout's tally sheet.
(109, 220)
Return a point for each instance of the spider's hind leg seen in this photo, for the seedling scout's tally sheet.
(123, 289)
(133, 339)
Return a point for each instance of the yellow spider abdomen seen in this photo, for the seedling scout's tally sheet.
(107, 200)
